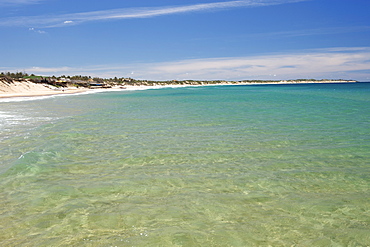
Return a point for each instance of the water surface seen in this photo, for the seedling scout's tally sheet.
(274, 165)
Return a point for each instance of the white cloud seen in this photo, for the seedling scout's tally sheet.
(311, 32)
(323, 63)
(18, 2)
(37, 30)
(335, 63)
(129, 13)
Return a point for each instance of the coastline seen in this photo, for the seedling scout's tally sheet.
(82, 160)
(41, 93)
(31, 89)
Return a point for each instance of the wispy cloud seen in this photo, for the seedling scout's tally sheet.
(18, 2)
(311, 32)
(321, 63)
(346, 63)
(37, 31)
(130, 13)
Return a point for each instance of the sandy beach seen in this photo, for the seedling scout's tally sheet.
(29, 89)
(83, 169)
(26, 88)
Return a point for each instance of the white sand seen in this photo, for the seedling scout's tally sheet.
(27, 88)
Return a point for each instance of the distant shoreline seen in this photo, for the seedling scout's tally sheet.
(27, 88)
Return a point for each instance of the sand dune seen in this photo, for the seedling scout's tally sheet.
(26, 88)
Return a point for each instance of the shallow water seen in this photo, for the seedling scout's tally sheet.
(275, 165)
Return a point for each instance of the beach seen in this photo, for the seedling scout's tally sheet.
(26, 88)
(228, 165)
(29, 89)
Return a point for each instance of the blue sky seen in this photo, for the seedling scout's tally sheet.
(188, 39)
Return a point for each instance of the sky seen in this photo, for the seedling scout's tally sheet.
(187, 39)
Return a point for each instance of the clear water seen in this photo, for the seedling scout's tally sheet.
(275, 165)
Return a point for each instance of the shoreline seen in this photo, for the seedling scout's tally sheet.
(42, 93)
(29, 89)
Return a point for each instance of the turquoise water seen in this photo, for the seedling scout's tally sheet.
(272, 165)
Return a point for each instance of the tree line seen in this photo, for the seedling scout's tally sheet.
(126, 81)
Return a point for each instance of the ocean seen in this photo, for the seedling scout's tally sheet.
(234, 165)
